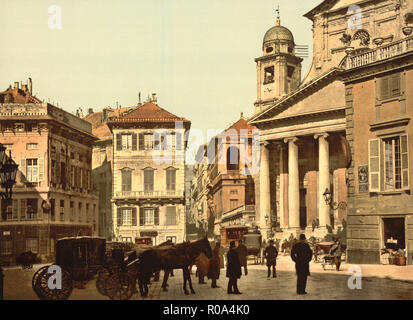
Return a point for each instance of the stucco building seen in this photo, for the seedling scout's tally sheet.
(52, 197)
(378, 81)
(148, 174)
(102, 164)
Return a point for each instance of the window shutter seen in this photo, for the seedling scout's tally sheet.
(141, 141)
(23, 209)
(134, 142)
(374, 165)
(395, 85)
(119, 212)
(23, 172)
(178, 141)
(141, 217)
(134, 217)
(156, 216)
(404, 142)
(41, 169)
(384, 88)
(118, 141)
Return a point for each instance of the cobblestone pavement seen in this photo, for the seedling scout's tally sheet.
(378, 282)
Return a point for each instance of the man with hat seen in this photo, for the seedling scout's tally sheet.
(233, 269)
(301, 254)
(271, 254)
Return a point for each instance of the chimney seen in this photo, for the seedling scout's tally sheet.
(89, 111)
(242, 115)
(24, 87)
(140, 101)
(30, 86)
(154, 99)
(16, 85)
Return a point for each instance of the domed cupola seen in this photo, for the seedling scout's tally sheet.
(278, 69)
(278, 39)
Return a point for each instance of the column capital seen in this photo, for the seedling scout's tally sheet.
(292, 139)
(265, 143)
(321, 135)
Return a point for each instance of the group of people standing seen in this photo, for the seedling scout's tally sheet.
(301, 254)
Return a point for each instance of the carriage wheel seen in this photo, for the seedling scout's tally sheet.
(40, 285)
(103, 275)
(119, 286)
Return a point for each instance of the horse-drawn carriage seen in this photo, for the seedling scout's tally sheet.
(79, 259)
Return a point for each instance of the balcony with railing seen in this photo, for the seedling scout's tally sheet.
(381, 53)
(149, 194)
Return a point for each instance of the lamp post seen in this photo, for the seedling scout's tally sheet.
(8, 171)
(333, 205)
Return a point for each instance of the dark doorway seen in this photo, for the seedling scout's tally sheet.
(303, 208)
(394, 234)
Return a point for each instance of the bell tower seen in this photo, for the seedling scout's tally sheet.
(278, 69)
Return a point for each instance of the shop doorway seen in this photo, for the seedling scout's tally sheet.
(394, 233)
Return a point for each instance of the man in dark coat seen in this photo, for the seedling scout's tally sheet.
(233, 269)
(271, 254)
(301, 255)
(243, 255)
(335, 252)
(214, 266)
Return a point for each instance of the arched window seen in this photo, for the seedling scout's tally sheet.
(232, 158)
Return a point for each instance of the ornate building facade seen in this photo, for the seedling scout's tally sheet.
(302, 131)
(148, 174)
(52, 197)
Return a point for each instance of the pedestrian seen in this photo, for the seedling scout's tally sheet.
(271, 254)
(202, 266)
(301, 254)
(335, 252)
(243, 255)
(233, 269)
(214, 266)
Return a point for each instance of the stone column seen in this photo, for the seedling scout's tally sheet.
(323, 179)
(282, 205)
(293, 186)
(265, 200)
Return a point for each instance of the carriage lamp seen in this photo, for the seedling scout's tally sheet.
(8, 171)
(333, 205)
(266, 219)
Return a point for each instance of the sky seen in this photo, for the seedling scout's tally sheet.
(197, 55)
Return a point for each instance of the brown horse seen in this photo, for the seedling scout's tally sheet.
(180, 256)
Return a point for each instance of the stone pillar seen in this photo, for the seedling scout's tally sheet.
(265, 200)
(293, 186)
(282, 205)
(323, 179)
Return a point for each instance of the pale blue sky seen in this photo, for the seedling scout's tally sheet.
(197, 55)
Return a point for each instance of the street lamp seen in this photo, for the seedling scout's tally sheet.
(333, 205)
(8, 171)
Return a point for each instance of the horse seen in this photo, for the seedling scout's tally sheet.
(180, 256)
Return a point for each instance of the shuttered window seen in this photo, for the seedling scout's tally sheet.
(118, 142)
(389, 164)
(389, 86)
(170, 179)
(148, 180)
(170, 218)
(374, 165)
(126, 180)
